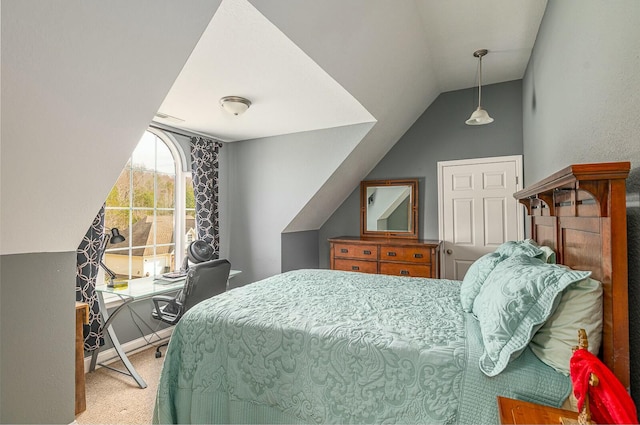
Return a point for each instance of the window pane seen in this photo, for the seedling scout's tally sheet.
(165, 242)
(118, 218)
(165, 175)
(190, 214)
(164, 160)
(143, 163)
(189, 228)
(166, 191)
(142, 237)
(143, 187)
(117, 261)
(142, 227)
(120, 193)
(190, 199)
(144, 155)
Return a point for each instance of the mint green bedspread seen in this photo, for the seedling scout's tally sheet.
(322, 346)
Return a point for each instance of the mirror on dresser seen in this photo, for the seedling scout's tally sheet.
(389, 208)
(388, 241)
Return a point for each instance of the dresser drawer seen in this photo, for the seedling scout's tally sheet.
(356, 251)
(407, 269)
(413, 254)
(356, 266)
(418, 258)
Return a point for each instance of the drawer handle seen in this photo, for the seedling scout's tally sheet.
(355, 268)
(366, 252)
(417, 255)
(404, 272)
(344, 250)
(391, 254)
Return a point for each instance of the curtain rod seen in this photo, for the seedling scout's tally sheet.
(181, 132)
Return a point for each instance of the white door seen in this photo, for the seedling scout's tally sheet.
(477, 210)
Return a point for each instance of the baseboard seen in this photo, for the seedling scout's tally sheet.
(131, 347)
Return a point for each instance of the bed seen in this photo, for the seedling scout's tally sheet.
(325, 346)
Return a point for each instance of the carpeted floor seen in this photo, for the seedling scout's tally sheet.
(114, 398)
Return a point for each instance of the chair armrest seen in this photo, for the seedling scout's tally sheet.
(164, 298)
(161, 302)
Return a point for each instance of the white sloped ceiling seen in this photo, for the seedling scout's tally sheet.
(80, 83)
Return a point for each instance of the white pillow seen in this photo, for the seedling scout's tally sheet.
(548, 255)
(580, 308)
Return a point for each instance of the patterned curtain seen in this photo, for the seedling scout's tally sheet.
(89, 254)
(204, 169)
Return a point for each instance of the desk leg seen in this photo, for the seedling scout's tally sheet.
(108, 319)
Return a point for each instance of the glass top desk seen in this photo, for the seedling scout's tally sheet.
(137, 289)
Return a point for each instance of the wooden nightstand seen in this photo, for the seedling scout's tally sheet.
(522, 412)
(82, 317)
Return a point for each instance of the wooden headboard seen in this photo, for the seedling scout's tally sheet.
(581, 213)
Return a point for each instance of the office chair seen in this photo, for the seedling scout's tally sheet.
(204, 280)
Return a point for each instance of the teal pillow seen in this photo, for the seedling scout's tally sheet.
(475, 277)
(480, 269)
(516, 299)
(526, 247)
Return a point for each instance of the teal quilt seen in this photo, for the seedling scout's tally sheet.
(323, 346)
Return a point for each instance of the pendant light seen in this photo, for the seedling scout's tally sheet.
(479, 116)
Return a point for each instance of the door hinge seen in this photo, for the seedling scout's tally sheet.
(517, 180)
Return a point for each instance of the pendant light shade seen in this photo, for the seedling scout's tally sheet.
(479, 116)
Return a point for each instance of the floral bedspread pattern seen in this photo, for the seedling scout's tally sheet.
(324, 347)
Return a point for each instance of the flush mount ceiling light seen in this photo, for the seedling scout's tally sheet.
(479, 116)
(235, 105)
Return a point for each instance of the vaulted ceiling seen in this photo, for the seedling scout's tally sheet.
(81, 81)
(272, 53)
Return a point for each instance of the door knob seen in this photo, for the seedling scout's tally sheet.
(449, 251)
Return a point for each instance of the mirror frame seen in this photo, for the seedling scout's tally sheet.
(413, 231)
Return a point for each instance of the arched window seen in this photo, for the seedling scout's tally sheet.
(152, 205)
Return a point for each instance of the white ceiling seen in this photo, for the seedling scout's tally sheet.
(242, 53)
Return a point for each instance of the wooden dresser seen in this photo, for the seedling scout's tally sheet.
(400, 257)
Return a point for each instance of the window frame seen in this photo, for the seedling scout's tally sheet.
(179, 202)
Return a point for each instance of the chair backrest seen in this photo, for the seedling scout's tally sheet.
(204, 280)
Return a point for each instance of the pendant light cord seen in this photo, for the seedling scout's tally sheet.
(479, 116)
(479, 82)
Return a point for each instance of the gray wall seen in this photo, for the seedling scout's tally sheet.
(268, 183)
(440, 134)
(37, 316)
(581, 97)
(38, 336)
(300, 250)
